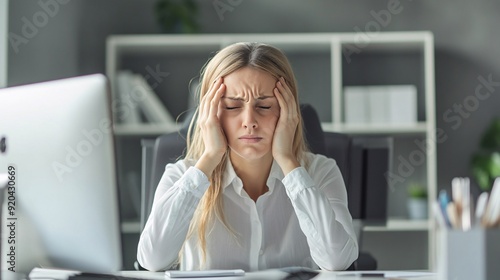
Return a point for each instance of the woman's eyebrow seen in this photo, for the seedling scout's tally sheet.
(234, 98)
(264, 97)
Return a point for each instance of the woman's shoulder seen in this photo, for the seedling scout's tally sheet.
(181, 165)
(322, 168)
(311, 157)
(313, 161)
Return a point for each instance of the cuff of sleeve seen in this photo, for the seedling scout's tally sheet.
(296, 181)
(195, 182)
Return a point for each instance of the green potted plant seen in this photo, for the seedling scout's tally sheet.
(486, 161)
(417, 202)
(177, 16)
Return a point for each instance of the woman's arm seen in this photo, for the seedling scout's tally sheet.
(319, 198)
(176, 198)
(181, 189)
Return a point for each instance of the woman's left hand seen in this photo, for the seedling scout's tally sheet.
(284, 134)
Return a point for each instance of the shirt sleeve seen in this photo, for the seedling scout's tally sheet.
(319, 198)
(176, 199)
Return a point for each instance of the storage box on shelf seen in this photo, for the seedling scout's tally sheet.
(325, 64)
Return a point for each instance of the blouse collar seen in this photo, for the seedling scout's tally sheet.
(230, 177)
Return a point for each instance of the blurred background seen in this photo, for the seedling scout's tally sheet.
(72, 42)
(466, 35)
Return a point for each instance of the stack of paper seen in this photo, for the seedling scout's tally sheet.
(380, 104)
(126, 108)
(136, 97)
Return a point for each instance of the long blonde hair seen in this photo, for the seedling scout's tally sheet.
(231, 58)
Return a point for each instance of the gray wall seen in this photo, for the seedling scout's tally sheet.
(467, 41)
(43, 45)
(467, 46)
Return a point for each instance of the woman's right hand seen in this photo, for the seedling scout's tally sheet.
(210, 128)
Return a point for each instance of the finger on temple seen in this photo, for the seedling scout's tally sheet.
(207, 98)
(214, 106)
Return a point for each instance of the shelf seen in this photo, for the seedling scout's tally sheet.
(417, 128)
(379, 58)
(387, 41)
(161, 44)
(400, 225)
(144, 129)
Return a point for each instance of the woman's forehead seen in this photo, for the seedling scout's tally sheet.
(247, 82)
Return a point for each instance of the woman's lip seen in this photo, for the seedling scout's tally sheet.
(250, 137)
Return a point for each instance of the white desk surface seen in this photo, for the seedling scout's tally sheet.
(270, 274)
(277, 274)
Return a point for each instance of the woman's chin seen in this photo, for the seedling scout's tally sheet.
(249, 154)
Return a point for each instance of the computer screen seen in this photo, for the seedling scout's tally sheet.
(61, 206)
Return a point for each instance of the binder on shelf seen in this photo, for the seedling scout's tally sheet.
(152, 107)
(371, 161)
(403, 104)
(137, 99)
(356, 105)
(391, 104)
(378, 105)
(127, 111)
(355, 188)
(376, 186)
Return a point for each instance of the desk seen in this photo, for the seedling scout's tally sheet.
(273, 274)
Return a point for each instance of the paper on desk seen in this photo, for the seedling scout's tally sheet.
(225, 273)
(142, 274)
(389, 273)
(51, 273)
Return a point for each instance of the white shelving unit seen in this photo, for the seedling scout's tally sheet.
(323, 68)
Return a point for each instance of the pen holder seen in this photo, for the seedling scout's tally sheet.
(472, 254)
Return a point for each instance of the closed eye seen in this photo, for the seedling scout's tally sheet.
(265, 107)
(231, 108)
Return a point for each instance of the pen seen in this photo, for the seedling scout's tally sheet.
(492, 214)
(440, 216)
(456, 195)
(444, 199)
(481, 206)
(466, 204)
(451, 211)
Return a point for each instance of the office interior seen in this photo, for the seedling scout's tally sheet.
(72, 42)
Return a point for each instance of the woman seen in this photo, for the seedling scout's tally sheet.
(248, 193)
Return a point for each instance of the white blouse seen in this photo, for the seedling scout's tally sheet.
(302, 220)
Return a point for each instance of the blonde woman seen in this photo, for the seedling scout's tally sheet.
(248, 194)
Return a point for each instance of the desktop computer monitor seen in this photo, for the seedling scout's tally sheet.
(61, 209)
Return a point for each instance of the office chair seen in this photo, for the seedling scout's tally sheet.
(156, 154)
(170, 147)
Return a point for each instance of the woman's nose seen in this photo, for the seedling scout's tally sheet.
(249, 120)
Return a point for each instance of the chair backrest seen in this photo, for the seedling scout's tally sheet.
(330, 144)
(167, 148)
(333, 145)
